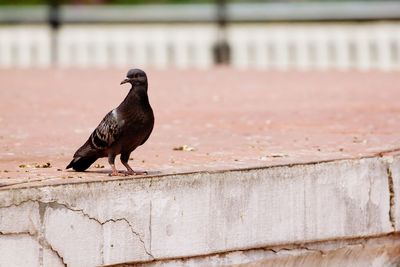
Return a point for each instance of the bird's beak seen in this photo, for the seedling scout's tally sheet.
(126, 80)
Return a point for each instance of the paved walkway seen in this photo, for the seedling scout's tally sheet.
(232, 119)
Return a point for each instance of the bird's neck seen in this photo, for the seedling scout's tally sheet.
(137, 96)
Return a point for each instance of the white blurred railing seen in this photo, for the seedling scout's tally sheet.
(25, 46)
(156, 46)
(342, 47)
(266, 46)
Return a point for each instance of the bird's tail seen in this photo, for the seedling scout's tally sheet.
(81, 163)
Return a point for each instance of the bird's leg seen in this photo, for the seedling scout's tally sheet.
(111, 161)
(124, 160)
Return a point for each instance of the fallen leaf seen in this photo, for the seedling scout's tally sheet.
(99, 166)
(46, 165)
(184, 148)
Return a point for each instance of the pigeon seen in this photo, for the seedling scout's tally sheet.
(121, 131)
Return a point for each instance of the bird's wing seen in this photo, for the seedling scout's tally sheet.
(107, 132)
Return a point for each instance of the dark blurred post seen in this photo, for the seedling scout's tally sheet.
(54, 22)
(221, 47)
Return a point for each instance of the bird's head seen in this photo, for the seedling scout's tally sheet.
(135, 77)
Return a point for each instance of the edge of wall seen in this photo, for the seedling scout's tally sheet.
(199, 214)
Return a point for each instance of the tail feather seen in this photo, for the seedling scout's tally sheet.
(81, 163)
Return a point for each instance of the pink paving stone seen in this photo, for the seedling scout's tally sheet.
(234, 120)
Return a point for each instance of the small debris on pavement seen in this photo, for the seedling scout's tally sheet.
(46, 165)
(184, 148)
(277, 156)
(99, 166)
(59, 170)
(356, 139)
(273, 156)
(35, 165)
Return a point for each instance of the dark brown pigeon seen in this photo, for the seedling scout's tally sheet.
(122, 130)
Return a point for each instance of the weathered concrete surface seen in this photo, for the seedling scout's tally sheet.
(257, 178)
(186, 215)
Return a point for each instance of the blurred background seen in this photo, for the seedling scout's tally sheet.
(273, 35)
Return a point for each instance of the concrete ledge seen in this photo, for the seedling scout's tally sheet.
(194, 214)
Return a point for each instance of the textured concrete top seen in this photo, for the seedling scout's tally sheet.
(224, 119)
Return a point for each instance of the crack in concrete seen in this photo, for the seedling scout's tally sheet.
(40, 239)
(44, 243)
(19, 203)
(391, 198)
(18, 233)
(296, 249)
(150, 234)
(56, 205)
